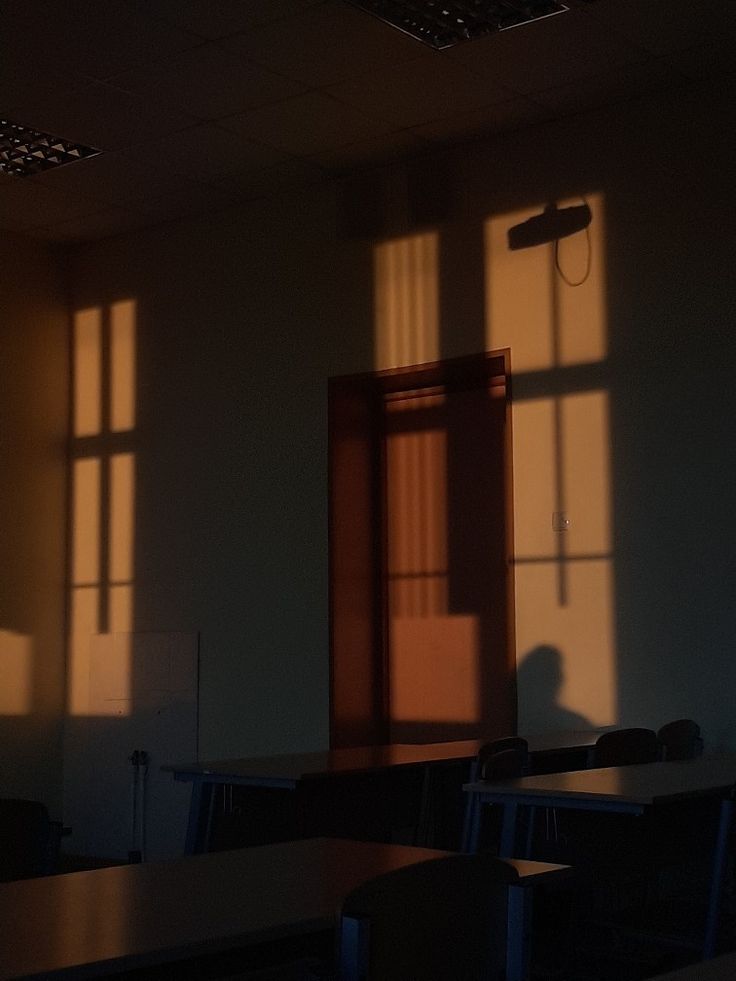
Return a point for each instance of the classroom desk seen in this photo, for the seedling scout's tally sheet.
(306, 775)
(619, 789)
(103, 922)
(719, 969)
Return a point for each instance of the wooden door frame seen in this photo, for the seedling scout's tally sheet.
(368, 391)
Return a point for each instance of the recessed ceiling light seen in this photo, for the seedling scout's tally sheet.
(25, 151)
(442, 23)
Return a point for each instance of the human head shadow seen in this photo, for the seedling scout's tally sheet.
(539, 678)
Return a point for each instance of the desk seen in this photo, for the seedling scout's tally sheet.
(99, 923)
(621, 789)
(305, 775)
(719, 969)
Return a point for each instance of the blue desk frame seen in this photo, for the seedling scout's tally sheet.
(596, 790)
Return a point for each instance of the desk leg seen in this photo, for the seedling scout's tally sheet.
(518, 936)
(508, 830)
(423, 832)
(471, 807)
(471, 831)
(200, 818)
(720, 856)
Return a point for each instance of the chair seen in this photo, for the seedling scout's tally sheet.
(622, 747)
(500, 759)
(438, 920)
(489, 753)
(27, 840)
(680, 740)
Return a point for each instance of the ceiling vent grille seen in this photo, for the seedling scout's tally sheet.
(442, 23)
(25, 151)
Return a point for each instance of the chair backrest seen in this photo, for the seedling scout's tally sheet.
(621, 747)
(440, 920)
(680, 740)
(502, 758)
(503, 766)
(25, 839)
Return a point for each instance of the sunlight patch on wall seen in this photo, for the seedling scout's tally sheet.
(122, 513)
(86, 523)
(434, 669)
(534, 477)
(103, 488)
(586, 472)
(406, 295)
(561, 458)
(529, 306)
(16, 667)
(433, 664)
(87, 372)
(84, 621)
(582, 631)
(564, 591)
(122, 366)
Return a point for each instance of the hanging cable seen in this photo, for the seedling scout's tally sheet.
(588, 260)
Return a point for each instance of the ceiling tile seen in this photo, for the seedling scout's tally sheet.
(257, 183)
(100, 116)
(123, 177)
(307, 124)
(619, 86)
(327, 43)
(26, 204)
(96, 39)
(497, 118)
(196, 199)
(659, 27)
(86, 228)
(704, 61)
(550, 52)
(19, 84)
(223, 17)
(419, 91)
(207, 82)
(205, 151)
(371, 153)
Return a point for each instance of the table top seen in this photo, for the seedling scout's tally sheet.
(292, 768)
(85, 924)
(289, 769)
(640, 784)
(719, 969)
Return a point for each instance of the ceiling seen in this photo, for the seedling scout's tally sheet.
(201, 104)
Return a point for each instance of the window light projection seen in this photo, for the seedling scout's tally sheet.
(442, 23)
(407, 300)
(122, 366)
(25, 151)
(120, 556)
(531, 309)
(87, 344)
(86, 526)
(102, 516)
(16, 666)
(561, 453)
(433, 654)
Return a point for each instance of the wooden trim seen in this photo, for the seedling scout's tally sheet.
(489, 371)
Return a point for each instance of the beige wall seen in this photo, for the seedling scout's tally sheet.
(623, 415)
(33, 410)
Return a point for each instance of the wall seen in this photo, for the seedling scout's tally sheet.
(33, 410)
(623, 415)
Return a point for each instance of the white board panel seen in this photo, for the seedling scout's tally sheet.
(143, 696)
